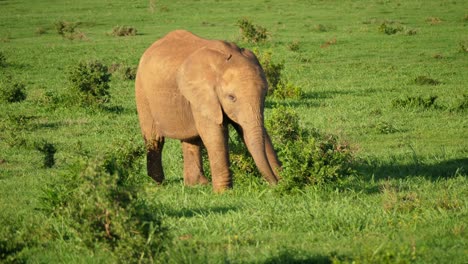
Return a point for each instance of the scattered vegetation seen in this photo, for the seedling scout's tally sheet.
(3, 60)
(90, 82)
(416, 102)
(463, 46)
(250, 32)
(424, 80)
(122, 71)
(433, 20)
(308, 156)
(12, 91)
(48, 150)
(386, 128)
(102, 207)
(121, 31)
(391, 28)
(273, 71)
(328, 43)
(69, 30)
(277, 87)
(287, 90)
(320, 28)
(294, 45)
(40, 31)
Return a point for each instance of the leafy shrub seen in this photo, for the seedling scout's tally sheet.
(308, 157)
(416, 102)
(461, 105)
(277, 87)
(12, 91)
(463, 46)
(328, 43)
(390, 28)
(90, 82)
(272, 70)
(120, 31)
(294, 45)
(323, 28)
(386, 128)
(250, 32)
(68, 30)
(3, 60)
(48, 150)
(102, 208)
(123, 72)
(424, 80)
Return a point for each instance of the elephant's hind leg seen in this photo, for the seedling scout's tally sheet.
(193, 165)
(154, 147)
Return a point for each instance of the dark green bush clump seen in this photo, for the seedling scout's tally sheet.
(391, 28)
(272, 70)
(48, 150)
(123, 72)
(277, 87)
(424, 80)
(69, 30)
(3, 60)
(308, 157)
(101, 208)
(90, 82)
(121, 31)
(12, 91)
(416, 102)
(250, 32)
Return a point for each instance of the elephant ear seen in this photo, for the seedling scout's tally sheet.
(197, 80)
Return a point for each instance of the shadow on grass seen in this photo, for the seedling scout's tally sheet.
(444, 169)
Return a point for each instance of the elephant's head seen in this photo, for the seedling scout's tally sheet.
(227, 84)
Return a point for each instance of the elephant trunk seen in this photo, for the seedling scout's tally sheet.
(259, 146)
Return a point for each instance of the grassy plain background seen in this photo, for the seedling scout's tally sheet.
(410, 202)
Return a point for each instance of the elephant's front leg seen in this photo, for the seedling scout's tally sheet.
(215, 140)
(193, 165)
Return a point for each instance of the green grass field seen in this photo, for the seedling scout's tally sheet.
(367, 68)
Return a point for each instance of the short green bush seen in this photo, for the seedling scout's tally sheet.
(294, 45)
(463, 46)
(273, 71)
(308, 157)
(12, 91)
(123, 72)
(48, 150)
(390, 28)
(424, 80)
(3, 60)
(101, 207)
(416, 102)
(277, 87)
(122, 31)
(90, 82)
(288, 90)
(69, 30)
(250, 32)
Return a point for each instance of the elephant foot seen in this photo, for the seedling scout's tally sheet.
(199, 180)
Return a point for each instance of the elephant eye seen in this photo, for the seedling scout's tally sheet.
(231, 97)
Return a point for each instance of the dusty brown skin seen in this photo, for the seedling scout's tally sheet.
(190, 88)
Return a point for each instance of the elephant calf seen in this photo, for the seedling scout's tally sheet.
(190, 88)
